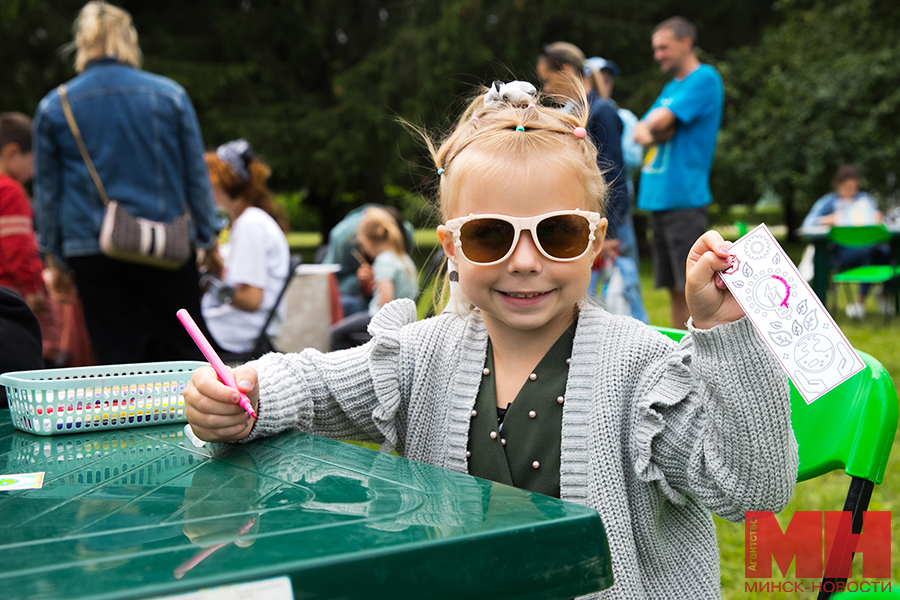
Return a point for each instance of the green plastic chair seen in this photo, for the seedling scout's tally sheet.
(852, 427)
(864, 237)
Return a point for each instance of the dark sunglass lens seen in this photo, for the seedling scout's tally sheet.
(486, 240)
(564, 236)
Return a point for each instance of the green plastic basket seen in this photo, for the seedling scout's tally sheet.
(82, 399)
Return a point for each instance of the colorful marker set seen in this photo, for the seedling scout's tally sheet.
(71, 400)
(159, 405)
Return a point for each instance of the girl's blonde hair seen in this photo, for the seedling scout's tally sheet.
(379, 227)
(504, 141)
(102, 30)
(253, 190)
(498, 140)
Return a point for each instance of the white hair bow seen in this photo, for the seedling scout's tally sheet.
(514, 92)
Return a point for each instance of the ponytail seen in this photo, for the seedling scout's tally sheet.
(103, 30)
(378, 226)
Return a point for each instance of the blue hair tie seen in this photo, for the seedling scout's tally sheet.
(440, 172)
(520, 128)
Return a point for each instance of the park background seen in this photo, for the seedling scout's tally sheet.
(318, 87)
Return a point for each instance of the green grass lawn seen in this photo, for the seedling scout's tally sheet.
(823, 493)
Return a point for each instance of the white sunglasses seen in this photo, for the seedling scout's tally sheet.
(563, 235)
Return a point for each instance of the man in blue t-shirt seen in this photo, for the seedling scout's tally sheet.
(679, 132)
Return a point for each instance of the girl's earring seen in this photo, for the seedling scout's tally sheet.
(456, 304)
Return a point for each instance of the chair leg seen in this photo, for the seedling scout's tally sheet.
(851, 296)
(857, 502)
(832, 295)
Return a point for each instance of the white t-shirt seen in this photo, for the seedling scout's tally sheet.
(256, 254)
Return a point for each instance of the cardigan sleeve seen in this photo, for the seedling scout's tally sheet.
(715, 424)
(351, 394)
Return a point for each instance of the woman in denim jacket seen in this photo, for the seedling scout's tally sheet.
(142, 135)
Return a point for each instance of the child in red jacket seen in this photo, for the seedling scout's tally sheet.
(21, 267)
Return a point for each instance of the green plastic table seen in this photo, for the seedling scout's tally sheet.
(141, 513)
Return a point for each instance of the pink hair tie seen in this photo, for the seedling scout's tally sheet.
(474, 119)
(532, 105)
(580, 132)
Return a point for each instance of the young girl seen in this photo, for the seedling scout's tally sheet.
(258, 257)
(526, 383)
(393, 273)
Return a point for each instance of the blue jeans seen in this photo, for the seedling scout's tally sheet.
(353, 305)
(627, 262)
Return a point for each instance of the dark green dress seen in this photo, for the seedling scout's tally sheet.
(523, 448)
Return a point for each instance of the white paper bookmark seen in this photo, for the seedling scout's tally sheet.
(789, 316)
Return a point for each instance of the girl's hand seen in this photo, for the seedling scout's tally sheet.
(212, 407)
(708, 300)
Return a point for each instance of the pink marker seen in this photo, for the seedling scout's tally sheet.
(215, 362)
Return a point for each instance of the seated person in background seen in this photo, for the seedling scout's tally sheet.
(256, 257)
(847, 206)
(393, 272)
(343, 249)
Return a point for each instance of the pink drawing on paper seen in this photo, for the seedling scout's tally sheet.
(787, 290)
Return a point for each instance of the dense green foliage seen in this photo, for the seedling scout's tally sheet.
(318, 86)
(818, 91)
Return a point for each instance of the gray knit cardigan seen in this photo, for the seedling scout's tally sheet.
(655, 435)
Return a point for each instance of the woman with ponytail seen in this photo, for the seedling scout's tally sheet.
(257, 257)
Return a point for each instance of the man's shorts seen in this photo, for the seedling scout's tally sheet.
(674, 233)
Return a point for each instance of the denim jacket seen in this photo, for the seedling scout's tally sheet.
(142, 135)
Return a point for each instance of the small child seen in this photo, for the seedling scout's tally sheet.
(393, 273)
(524, 382)
(21, 267)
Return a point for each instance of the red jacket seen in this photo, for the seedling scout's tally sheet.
(20, 263)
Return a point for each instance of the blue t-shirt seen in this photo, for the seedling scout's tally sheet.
(856, 211)
(675, 174)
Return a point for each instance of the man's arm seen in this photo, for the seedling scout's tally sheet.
(658, 126)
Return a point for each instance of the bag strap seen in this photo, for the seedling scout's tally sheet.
(70, 119)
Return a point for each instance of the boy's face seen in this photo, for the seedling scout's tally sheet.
(18, 165)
